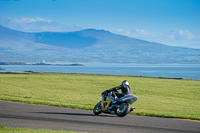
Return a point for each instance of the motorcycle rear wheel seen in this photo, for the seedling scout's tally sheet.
(123, 110)
(97, 109)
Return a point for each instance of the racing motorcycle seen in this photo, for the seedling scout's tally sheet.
(108, 104)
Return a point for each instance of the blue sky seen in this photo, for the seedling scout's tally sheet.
(171, 22)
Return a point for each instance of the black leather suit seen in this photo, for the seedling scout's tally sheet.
(126, 89)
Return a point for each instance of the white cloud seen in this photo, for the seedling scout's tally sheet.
(29, 20)
(120, 30)
(42, 19)
(178, 37)
(36, 24)
(183, 38)
(182, 34)
(136, 33)
(142, 32)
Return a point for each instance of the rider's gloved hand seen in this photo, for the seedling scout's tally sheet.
(108, 91)
(113, 89)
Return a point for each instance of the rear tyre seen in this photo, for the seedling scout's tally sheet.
(123, 109)
(97, 109)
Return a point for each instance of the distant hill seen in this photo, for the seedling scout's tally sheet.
(88, 45)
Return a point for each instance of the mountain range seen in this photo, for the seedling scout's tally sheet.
(88, 46)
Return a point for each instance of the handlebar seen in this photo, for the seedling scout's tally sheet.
(106, 92)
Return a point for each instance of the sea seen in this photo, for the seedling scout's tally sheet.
(186, 71)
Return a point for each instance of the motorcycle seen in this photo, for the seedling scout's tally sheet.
(121, 107)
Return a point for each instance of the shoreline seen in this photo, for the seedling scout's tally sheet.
(34, 72)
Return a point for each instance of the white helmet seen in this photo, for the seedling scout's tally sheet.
(125, 82)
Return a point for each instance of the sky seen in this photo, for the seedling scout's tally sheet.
(171, 22)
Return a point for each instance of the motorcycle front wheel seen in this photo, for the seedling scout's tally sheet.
(123, 109)
(97, 109)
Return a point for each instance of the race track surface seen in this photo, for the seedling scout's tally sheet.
(46, 117)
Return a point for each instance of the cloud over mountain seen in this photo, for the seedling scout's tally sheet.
(174, 37)
(24, 20)
(35, 24)
(178, 37)
(89, 45)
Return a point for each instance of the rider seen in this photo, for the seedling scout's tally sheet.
(125, 89)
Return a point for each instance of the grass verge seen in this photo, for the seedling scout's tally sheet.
(5, 129)
(157, 97)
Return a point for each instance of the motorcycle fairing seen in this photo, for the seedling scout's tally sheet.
(129, 98)
(105, 102)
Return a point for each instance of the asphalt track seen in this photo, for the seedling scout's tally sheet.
(46, 117)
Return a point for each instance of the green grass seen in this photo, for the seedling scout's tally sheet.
(5, 129)
(157, 97)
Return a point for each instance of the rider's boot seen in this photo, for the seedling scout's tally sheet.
(132, 109)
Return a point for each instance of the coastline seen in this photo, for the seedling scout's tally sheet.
(40, 63)
(34, 72)
(137, 70)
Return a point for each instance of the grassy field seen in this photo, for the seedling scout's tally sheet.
(4, 129)
(157, 97)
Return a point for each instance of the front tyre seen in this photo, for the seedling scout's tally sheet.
(123, 109)
(97, 109)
